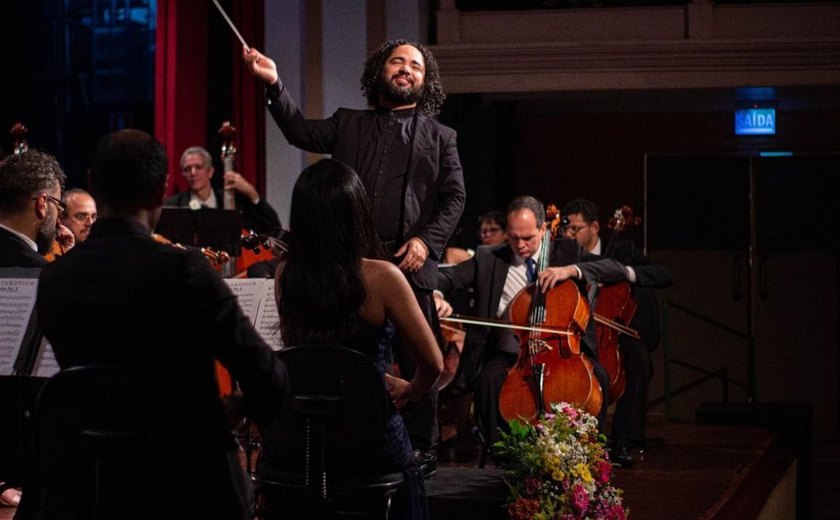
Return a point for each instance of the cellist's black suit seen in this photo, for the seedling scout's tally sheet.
(482, 367)
(628, 425)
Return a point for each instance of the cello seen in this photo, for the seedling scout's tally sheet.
(551, 367)
(615, 304)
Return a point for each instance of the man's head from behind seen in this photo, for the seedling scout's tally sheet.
(80, 213)
(403, 73)
(128, 173)
(30, 191)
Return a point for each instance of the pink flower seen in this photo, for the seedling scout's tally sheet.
(615, 512)
(604, 471)
(580, 498)
(532, 485)
(523, 509)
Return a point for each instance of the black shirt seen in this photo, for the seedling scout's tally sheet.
(383, 166)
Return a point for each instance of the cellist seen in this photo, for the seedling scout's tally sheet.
(497, 274)
(628, 425)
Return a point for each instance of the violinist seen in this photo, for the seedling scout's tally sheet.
(162, 309)
(30, 206)
(30, 187)
(628, 426)
(497, 274)
(197, 167)
(80, 214)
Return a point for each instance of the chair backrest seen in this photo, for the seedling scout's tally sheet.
(101, 434)
(339, 385)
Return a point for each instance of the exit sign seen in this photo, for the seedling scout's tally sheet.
(755, 121)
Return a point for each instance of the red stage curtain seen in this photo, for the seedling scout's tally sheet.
(181, 92)
(249, 96)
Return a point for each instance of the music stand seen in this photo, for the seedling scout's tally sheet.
(18, 393)
(220, 229)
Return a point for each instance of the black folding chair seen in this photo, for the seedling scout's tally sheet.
(337, 412)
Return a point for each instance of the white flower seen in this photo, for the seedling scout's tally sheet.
(195, 205)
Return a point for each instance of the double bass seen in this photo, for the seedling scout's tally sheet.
(248, 256)
(551, 367)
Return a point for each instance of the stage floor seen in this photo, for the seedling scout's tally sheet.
(708, 472)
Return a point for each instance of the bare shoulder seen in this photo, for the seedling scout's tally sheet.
(380, 272)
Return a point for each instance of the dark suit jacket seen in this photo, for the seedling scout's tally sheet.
(14, 252)
(649, 276)
(259, 217)
(120, 298)
(487, 271)
(434, 196)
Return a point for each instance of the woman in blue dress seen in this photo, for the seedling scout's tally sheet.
(333, 289)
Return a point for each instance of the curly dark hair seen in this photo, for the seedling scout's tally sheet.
(431, 97)
(24, 175)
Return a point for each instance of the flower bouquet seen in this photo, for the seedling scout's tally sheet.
(558, 469)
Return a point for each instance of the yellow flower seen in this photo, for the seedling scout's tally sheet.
(557, 474)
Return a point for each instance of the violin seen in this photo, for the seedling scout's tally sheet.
(274, 240)
(551, 367)
(216, 258)
(616, 306)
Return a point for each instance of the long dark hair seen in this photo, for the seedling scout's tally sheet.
(331, 231)
(431, 97)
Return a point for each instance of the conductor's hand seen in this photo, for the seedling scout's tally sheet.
(235, 181)
(550, 277)
(260, 65)
(416, 252)
(444, 309)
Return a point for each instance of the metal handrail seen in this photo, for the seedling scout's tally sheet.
(722, 374)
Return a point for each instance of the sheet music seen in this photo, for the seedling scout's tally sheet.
(267, 318)
(256, 297)
(17, 301)
(45, 364)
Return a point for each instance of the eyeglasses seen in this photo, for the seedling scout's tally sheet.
(573, 230)
(489, 230)
(62, 207)
(84, 217)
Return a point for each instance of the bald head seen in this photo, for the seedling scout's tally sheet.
(80, 214)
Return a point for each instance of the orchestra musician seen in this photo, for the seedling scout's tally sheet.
(629, 420)
(333, 289)
(30, 206)
(197, 167)
(80, 213)
(497, 274)
(162, 309)
(409, 165)
(30, 187)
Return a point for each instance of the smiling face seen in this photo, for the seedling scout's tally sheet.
(197, 172)
(402, 77)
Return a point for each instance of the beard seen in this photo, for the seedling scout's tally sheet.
(46, 235)
(406, 95)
